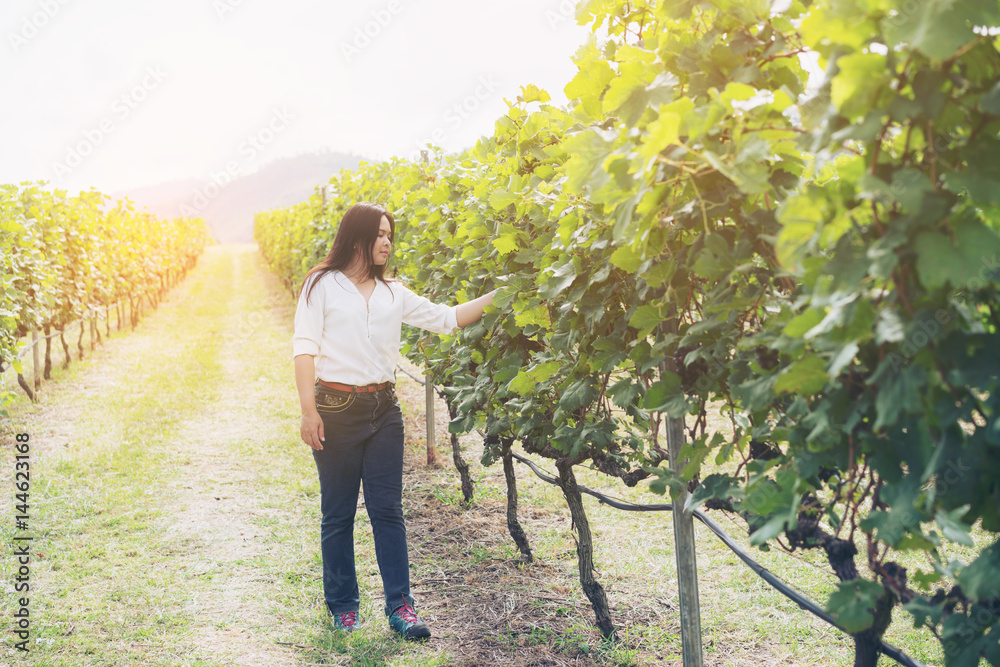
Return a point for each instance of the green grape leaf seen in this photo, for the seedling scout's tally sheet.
(532, 93)
(961, 263)
(627, 259)
(862, 79)
(577, 395)
(528, 379)
(806, 376)
(802, 216)
(538, 316)
(938, 29)
(979, 579)
(951, 525)
(584, 168)
(563, 276)
(843, 358)
(898, 395)
(590, 81)
(661, 133)
(504, 297)
(500, 199)
(662, 392)
(802, 323)
(646, 318)
(507, 242)
(889, 328)
(990, 101)
(853, 604)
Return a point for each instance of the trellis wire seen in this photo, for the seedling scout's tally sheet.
(29, 347)
(770, 578)
(798, 598)
(428, 410)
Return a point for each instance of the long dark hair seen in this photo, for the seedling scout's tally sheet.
(359, 227)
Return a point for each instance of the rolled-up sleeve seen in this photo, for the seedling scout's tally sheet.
(421, 312)
(309, 322)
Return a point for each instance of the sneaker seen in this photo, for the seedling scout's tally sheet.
(347, 621)
(405, 622)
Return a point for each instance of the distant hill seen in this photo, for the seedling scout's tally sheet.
(229, 209)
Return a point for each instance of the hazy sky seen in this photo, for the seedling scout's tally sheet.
(124, 93)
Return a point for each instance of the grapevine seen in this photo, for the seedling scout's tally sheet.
(71, 258)
(697, 228)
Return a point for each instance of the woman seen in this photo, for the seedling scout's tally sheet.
(346, 345)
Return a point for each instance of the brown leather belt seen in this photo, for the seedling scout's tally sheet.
(356, 389)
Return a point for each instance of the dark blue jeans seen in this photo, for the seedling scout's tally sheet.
(364, 442)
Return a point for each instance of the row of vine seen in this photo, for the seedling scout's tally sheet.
(70, 258)
(699, 229)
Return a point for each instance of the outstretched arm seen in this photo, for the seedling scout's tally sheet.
(472, 311)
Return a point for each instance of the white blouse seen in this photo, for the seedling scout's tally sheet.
(355, 342)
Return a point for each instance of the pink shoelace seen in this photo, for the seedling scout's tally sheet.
(407, 614)
(348, 619)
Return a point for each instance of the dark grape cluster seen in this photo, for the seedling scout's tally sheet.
(766, 357)
(762, 451)
(689, 373)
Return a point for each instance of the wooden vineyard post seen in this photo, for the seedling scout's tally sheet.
(687, 562)
(37, 379)
(429, 393)
(431, 444)
(684, 548)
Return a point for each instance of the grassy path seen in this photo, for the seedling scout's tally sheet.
(155, 494)
(175, 516)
